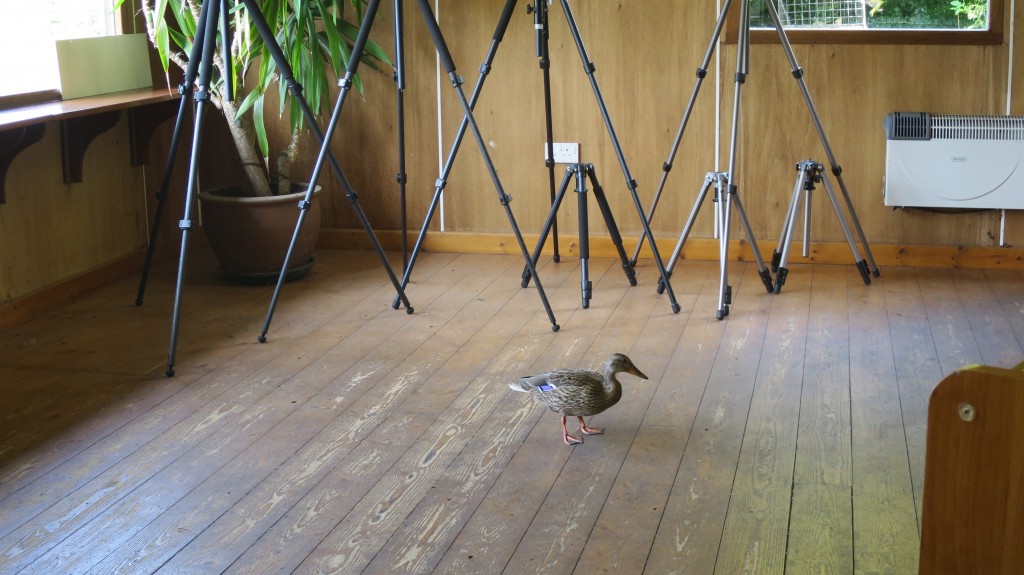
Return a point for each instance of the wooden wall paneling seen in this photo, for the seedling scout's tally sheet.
(853, 87)
(52, 231)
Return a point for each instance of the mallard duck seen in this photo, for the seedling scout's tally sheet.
(579, 393)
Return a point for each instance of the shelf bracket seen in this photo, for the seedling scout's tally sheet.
(12, 142)
(76, 135)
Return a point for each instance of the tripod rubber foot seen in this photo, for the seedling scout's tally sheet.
(169, 371)
(676, 308)
(408, 310)
(527, 276)
(862, 265)
(876, 272)
(722, 313)
(555, 327)
(586, 304)
(661, 282)
(138, 301)
(766, 279)
(262, 338)
(395, 304)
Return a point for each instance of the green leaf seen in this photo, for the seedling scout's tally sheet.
(261, 128)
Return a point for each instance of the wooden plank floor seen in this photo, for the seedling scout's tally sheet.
(788, 438)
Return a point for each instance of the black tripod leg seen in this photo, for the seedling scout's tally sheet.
(449, 65)
(586, 287)
(589, 68)
(549, 223)
(442, 180)
(161, 195)
(540, 24)
(609, 220)
(351, 196)
(401, 177)
(185, 89)
(208, 25)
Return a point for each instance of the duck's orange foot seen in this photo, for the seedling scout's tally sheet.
(569, 439)
(590, 430)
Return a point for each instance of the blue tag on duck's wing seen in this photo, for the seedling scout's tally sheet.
(545, 387)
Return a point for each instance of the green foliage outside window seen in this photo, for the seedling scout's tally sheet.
(874, 14)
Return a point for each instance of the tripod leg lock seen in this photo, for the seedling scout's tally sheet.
(701, 72)
(185, 225)
(798, 73)
(485, 69)
(304, 205)
(505, 199)
(666, 167)
(780, 279)
(401, 178)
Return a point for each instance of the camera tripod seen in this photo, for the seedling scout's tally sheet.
(468, 122)
(196, 86)
(582, 172)
(810, 173)
(742, 70)
(541, 25)
(540, 19)
(725, 196)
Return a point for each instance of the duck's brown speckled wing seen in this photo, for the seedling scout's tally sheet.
(565, 391)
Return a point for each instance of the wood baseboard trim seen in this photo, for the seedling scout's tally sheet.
(701, 249)
(23, 309)
(27, 307)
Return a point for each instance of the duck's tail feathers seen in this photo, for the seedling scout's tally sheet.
(519, 386)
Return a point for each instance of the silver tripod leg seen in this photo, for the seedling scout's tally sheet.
(837, 170)
(781, 255)
(811, 172)
(709, 179)
(862, 265)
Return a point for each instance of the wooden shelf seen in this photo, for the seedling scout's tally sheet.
(81, 121)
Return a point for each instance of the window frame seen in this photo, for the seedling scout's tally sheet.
(991, 37)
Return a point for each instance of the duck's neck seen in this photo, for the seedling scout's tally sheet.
(612, 387)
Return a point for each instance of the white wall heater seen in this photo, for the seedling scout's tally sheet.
(954, 161)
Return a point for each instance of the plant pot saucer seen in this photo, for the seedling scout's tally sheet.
(270, 278)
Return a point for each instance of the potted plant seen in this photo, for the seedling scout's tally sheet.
(316, 38)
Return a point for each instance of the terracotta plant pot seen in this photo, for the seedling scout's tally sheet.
(250, 236)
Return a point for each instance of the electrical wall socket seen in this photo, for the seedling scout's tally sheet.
(565, 152)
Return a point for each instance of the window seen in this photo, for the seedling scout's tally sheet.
(876, 21)
(27, 34)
